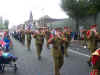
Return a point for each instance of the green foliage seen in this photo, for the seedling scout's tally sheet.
(94, 8)
(80, 9)
(6, 23)
(74, 8)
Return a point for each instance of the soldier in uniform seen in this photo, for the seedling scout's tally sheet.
(56, 40)
(39, 40)
(28, 35)
(92, 43)
(95, 60)
(47, 35)
(66, 34)
(84, 38)
(23, 36)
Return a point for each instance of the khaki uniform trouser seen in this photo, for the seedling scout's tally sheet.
(23, 40)
(39, 49)
(28, 43)
(66, 48)
(91, 51)
(58, 63)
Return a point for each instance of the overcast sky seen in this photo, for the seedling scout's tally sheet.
(17, 11)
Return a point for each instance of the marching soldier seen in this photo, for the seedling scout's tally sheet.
(39, 40)
(23, 37)
(66, 34)
(56, 40)
(95, 60)
(28, 35)
(92, 43)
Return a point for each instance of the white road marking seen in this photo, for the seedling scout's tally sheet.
(79, 53)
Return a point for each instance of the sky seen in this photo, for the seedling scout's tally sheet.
(18, 11)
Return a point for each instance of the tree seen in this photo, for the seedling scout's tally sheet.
(76, 9)
(6, 23)
(94, 8)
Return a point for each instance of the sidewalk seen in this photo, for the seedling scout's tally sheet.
(76, 43)
(77, 46)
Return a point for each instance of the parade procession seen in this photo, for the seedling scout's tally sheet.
(50, 37)
(58, 41)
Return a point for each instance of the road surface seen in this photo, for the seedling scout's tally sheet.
(75, 64)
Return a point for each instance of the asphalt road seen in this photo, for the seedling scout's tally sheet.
(28, 64)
